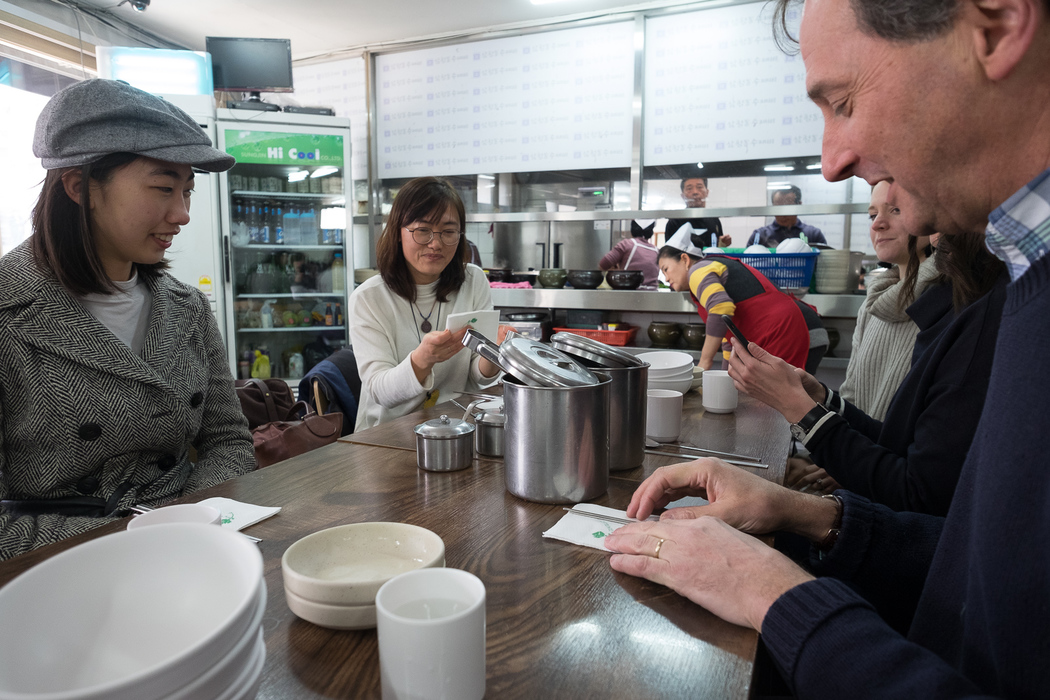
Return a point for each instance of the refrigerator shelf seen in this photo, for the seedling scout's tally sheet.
(260, 194)
(294, 295)
(289, 246)
(293, 329)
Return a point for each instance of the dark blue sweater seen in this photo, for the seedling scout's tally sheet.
(976, 585)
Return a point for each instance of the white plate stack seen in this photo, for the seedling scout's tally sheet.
(669, 369)
(168, 612)
(832, 272)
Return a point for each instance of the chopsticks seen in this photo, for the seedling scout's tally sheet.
(682, 446)
(737, 462)
(599, 516)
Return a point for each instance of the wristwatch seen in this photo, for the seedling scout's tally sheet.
(809, 421)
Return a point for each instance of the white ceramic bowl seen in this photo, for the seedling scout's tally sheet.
(246, 687)
(677, 374)
(223, 676)
(128, 616)
(336, 617)
(346, 565)
(683, 384)
(180, 513)
(664, 362)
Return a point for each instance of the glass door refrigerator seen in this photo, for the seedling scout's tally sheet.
(283, 211)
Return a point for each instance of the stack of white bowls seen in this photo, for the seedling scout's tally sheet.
(168, 612)
(331, 577)
(669, 369)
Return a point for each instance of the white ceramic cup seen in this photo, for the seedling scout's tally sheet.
(431, 625)
(663, 415)
(181, 513)
(720, 394)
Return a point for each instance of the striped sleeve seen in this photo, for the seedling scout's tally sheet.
(707, 283)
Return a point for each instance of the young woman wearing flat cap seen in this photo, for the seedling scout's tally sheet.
(110, 369)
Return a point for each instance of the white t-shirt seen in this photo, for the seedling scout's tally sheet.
(125, 313)
(385, 329)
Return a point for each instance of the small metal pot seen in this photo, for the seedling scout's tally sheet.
(489, 431)
(444, 444)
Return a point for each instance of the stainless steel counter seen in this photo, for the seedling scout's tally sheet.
(829, 305)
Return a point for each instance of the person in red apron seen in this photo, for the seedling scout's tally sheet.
(635, 253)
(720, 285)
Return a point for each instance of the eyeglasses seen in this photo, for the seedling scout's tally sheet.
(423, 235)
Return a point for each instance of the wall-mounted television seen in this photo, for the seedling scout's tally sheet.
(250, 65)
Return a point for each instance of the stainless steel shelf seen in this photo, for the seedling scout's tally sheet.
(335, 198)
(836, 305)
(599, 299)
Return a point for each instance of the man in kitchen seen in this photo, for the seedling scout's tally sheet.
(786, 226)
(949, 100)
(694, 194)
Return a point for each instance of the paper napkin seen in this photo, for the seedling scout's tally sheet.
(237, 515)
(587, 531)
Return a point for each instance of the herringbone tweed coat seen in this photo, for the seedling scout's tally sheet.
(80, 415)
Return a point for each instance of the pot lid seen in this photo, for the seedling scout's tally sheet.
(444, 428)
(593, 350)
(495, 416)
(541, 365)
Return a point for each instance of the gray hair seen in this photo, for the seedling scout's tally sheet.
(893, 20)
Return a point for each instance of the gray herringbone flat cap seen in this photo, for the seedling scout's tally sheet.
(94, 118)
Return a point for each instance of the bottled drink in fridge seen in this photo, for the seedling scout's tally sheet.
(291, 226)
(278, 226)
(253, 224)
(338, 273)
(265, 232)
(308, 228)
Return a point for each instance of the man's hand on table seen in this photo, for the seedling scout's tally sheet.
(704, 558)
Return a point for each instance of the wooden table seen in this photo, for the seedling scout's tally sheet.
(561, 623)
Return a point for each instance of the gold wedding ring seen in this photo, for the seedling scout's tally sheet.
(656, 555)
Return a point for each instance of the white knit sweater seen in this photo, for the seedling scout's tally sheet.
(384, 330)
(883, 342)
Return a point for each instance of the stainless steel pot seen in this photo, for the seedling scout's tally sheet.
(556, 447)
(489, 431)
(627, 395)
(444, 444)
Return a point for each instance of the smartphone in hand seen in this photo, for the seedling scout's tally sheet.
(734, 330)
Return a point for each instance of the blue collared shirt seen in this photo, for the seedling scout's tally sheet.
(774, 234)
(1018, 232)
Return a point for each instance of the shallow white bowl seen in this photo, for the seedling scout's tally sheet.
(336, 617)
(179, 513)
(681, 385)
(128, 616)
(346, 565)
(677, 374)
(666, 361)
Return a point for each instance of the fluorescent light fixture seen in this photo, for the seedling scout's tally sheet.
(298, 175)
(779, 168)
(814, 166)
(700, 165)
(486, 177)
(778, 186)
(324, 170)
(159, 71)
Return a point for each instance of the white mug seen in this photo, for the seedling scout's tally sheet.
(663, 415)
(431, 625)
(720, 394)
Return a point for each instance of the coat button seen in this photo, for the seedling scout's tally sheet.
(90, 431)
(88, 484)
(166, 462)
(197, 399)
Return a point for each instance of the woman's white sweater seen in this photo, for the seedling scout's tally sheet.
(385, 329)
(883, 342)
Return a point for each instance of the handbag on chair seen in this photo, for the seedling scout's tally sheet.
(277, 431)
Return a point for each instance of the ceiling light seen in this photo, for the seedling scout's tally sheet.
(814, 166)
(778, 186)
(779, 168)
(298, 175)
(700, 165)
(486, 177)
(324, 170)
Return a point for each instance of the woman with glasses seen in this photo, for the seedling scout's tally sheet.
(405, 357)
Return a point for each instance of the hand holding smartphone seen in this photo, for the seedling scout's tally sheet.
(734, 330)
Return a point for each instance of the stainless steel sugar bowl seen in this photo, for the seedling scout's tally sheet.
(444, 444)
